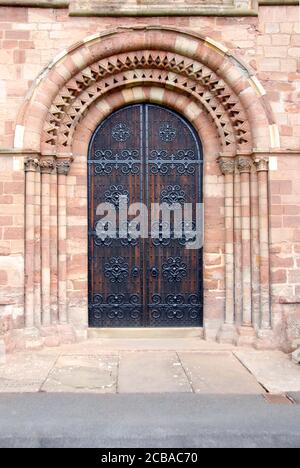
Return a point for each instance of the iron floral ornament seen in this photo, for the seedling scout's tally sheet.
(167, 133)
(116, 270)
(113, 194)
(174, 270)
(172, 194)
(121, 132)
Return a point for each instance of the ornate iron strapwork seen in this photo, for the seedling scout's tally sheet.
(116, 270)
(121, 132)
(184, 162)
(167, 132)
(114, 309)
(174, 270)
(178, 308)
(113, 194)
(141, 271)
(126, 161)
(173, 194)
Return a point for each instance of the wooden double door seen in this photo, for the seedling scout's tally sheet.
(144, 153)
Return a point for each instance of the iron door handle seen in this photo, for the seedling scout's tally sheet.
(154, 272)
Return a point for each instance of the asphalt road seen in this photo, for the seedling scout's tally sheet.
(146, 421)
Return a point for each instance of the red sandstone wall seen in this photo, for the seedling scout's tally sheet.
(11, 243)
(29, 40)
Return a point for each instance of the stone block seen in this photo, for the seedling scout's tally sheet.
(296, 355)
(2, 352)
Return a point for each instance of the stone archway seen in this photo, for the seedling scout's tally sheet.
(217, 93)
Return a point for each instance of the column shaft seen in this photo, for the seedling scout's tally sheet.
(238, 250)
(262, 173)
(244, 166)
(37, 260)
(31, 166)
(46, 169)
(227, 167)
(53, 249)
(63, 167)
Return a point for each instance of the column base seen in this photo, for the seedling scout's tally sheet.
(2, 352)
(32, 339)
(296, 356)
(266, 340)
(66, 333)
(227, 334)
(50, 336)
(245, 336)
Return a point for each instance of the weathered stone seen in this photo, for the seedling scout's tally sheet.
(245, 113)
(296, 356)
(2, 352)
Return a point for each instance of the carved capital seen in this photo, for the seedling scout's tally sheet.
(31, 164)
(47, 166)
(244, 165)
(227, 166)
(262, 164)
(63, 166)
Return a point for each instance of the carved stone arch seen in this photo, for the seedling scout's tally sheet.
(219, 120)
(195, 76)
(191, 56)
(152, 93)
(188, 77)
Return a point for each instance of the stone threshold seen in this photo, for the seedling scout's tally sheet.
(145, 333)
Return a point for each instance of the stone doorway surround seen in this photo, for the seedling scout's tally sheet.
(225, 102)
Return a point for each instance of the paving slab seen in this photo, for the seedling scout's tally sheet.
(218, 373)
(98, 346)
(25, 372)
(295, 397)
(88, 374)
(272, 369)
(152, 372)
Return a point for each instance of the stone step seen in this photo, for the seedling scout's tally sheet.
(145, 333)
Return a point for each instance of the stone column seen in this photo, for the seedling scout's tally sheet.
(246, 331)
(37, 273)
(255, 253)
(47, 167)
(53, 249)
(31, 167)
(237, 250)
(265, 333)
(63, 167)
(228, 330)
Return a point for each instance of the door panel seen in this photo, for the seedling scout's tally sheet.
(146, 153)
(115, 265)
(174, 176)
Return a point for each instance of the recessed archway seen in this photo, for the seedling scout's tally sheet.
(197, 77)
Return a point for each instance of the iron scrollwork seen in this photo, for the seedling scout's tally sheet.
(179, 308)
(115, 308)
(173, 194)
(128, 161)
(113, 194)
(174, 270)
(121, 132)
(116, 270)
(163, 163)
(167, 132)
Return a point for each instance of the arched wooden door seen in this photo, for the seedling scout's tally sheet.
(148, 154)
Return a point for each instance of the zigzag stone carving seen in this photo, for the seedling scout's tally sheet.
(160, 68)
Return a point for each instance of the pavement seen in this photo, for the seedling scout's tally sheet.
(120, 366)
(176, 393)
(177, 420)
